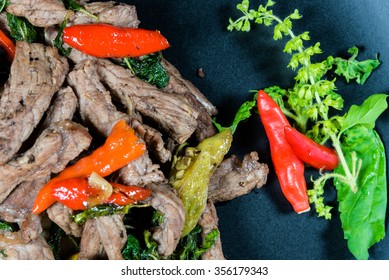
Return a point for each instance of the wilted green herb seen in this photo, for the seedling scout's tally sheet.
(74, 6)
(148, 68)
(5, 226)
(58, 40)
(22, 29)
(3, 4)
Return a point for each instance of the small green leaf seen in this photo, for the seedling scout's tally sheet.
(367, 113)
(21, 29)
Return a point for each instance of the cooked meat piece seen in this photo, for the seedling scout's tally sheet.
(153, 139)
(62, 108)
(52, 151)
(235, 177)
(90, 245)
(118, 14)
(180, 85)
(40, 13)
(29, 224)
(209, 221)
(23, 196)
(62, 216)
(37, 72)
(38, 249)
(4, 23)
(103, 237)
(171, 112)
(169, 204)
(95, 102)
(112, 234)
(140, 172)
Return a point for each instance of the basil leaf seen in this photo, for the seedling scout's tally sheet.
(367, 113)
(354, 69)
(363, 213)
(21, 29)
(3, 4)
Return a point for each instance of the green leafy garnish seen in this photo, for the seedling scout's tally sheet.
(190, 247)
(58, 40)
(104, 210)
(354, 69)
(148, 68)
(74, 6)
(5, 226)
(3, 4)
(22, 29)
(311, 104)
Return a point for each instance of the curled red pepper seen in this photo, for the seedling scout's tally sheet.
(288, 167)
(107, 41)
(76, 193)
(7, 45)
(310, 152)
(121, 147)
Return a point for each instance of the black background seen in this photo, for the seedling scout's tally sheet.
(262, 225)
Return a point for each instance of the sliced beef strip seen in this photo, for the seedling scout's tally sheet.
(37, 249)
(209, 221)
(62, 216)
(52, 151)
(171, 112)
(103, 237)
(112, 234)
(91, 247)
(169, 204)
(63, 106)
(235, 177)
(111, 12)
(95, 102)
(180, 85)
(4, 23)
(97, 109)
(41, 13)
(37, 72)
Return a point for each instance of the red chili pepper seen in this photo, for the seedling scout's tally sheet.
(107, 41)
(132, 192)
(121, 147)
(288, 167)
(310, 152)
(76, 193)
(7, 45)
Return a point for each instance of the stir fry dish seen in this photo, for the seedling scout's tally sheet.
(106, 151)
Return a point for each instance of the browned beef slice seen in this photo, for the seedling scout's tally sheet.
(169, 204)
(209, 221)
(63, 106)
(111, 12)
(103, 237)
(95, 102)
(235, 177)
(112, 234)
(91, 247)
(36, 74)
(171, 112)
(62, 216)
(40, 13)
(52, 151)
(180, 85)
(37, 249)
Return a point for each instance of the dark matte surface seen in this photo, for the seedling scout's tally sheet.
(262, 225)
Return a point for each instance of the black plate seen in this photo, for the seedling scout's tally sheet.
(262, 225)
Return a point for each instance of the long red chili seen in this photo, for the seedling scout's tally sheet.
(288, 167)
(76, 193)
(7, 45)
(108, 41)
(310, 152)
(121, 147)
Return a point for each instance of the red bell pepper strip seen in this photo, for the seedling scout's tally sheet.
(7, 45)
(108, 41)
(288, 167)
(121, 147)
(310, 152)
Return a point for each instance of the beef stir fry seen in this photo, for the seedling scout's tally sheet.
(57, 108)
